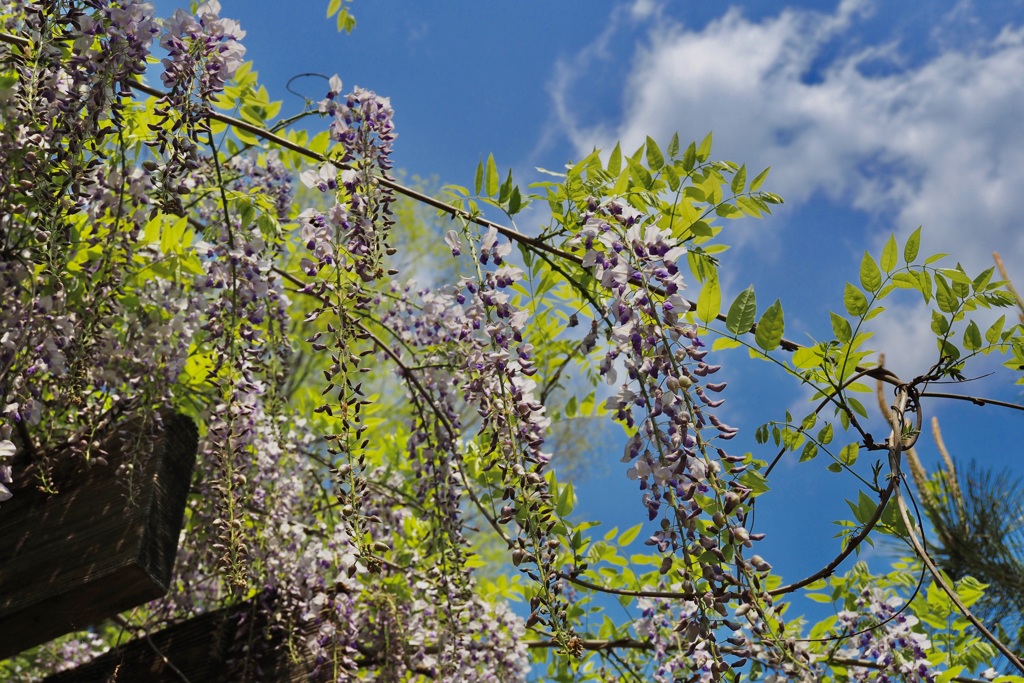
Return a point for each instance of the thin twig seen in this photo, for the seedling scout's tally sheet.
(976, 400)
(672, 595)
(941, 582)
(896, 446)
(1009, 284)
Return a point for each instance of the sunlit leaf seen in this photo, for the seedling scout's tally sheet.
(615, 161)
(912, 246)
(848, 456)
(759, 179)
(841, 328)
(889, 254)
(709, 303)
(770, 327)
(491, 177)
(704, 150)
(655, 160)
(739, 180)
(854, 300)
(870, 277)
(630, 534)
(742, 312)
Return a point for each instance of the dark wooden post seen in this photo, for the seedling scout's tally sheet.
(73, 559)
(228, 644)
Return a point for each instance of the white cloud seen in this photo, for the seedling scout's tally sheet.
(938, 143)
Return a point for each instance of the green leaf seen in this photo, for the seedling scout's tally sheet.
(690, 157)
(672, 176)
(756, 183)
(857, 406)
(992, 334)
(253, 114)
(807, 357)
(739, 180)
(979, 283)
(673, 145)
(642, 175)
(701, 229)
(728, 211)
(935, 257)
(906, 281)
(834, 467)
(655, 160)
(479, 182)
(754, 481)
(332, 8)
(506, 189)
(515, 201)
(944, 296)
(709, 303)
(704, 151)
(848, 456)
(825, 434)
(957, 275)
(810, 452)
(723, 343)
(570, 407)
(346, 22)
(970, 590)
(750, 206)
(854, 300)
(841, 328)
(492, 179)
(926, 284)
(615, 160)
(870, 277)
(889, 254)
(912, 246)
(172, 236)
(742, 312)
(949, 674)
(566, 500)
(629, 535)
(873, 312)
(245, 137)
(770, 327)
(972, 337)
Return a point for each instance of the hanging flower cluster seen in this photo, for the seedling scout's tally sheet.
(58, 190)
(889, 640)
(355, 229)
(666, 402)
(203, 51)
(318, 595)
(472, 339)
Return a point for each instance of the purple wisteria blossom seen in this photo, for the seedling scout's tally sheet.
(889, 640)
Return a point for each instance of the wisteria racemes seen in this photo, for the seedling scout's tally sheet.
(382, 392)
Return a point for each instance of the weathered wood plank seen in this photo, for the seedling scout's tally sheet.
(206, 649)
(73, 559)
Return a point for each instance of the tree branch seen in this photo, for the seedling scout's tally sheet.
(976, 400)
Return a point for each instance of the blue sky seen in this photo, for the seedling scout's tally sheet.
(876, 117)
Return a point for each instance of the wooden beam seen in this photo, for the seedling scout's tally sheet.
(73, 559)
(225, 645)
